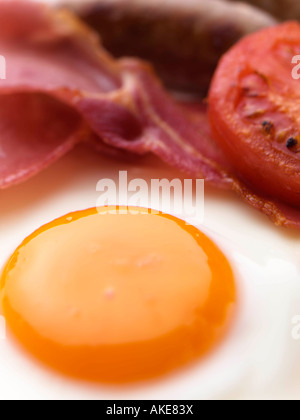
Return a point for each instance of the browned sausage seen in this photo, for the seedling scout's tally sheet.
(183, 39)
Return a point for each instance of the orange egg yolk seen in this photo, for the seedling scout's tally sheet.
(117, 296)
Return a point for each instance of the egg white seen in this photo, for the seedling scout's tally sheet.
(258, 358)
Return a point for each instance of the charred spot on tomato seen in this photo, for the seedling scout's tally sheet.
(269, 158)
(292, 143)
(267, 127)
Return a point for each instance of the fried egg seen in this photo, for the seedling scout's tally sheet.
(255, 356)
(117, 295)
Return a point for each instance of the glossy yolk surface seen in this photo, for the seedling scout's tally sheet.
(117, 296)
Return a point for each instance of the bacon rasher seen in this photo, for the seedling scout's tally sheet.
(63, 88)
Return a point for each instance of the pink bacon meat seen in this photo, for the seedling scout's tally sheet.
(63, 88)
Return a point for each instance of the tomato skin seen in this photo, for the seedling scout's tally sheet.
(254, 110)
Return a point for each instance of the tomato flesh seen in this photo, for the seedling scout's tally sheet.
(254, 110)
